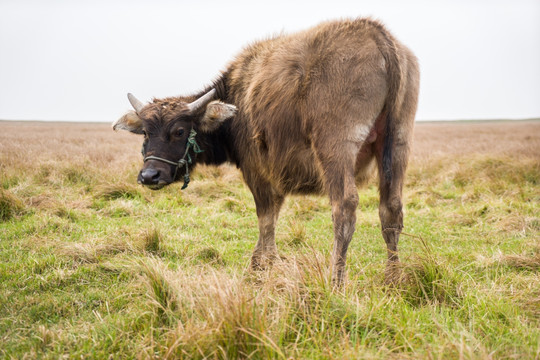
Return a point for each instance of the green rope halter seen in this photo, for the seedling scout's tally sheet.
(191, 143)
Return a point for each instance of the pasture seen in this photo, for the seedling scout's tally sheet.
(93, 265)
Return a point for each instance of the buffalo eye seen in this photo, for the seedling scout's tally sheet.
(179, 132)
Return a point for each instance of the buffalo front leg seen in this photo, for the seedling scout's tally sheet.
(268, 204)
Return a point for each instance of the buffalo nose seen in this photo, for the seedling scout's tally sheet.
(150, 176)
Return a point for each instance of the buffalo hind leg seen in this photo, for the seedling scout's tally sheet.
(392, 168)
(390, 206)
(343, 193)
(391, 215)
(344, 219)
(268, 204)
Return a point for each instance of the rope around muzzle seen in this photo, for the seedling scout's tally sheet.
(191, 143)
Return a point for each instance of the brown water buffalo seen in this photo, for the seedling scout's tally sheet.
(308, 113)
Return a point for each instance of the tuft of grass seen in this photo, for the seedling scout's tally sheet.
(119, 191)
(67, 213)
(219, 315)
(76, 175)
(10, 205)
(427, 281)
(151, 240)
(234, 205)
(45, 336)
(160, 289)
(297, 234)
(529, 261)
(8, 181)
(210, 255)
(94, 250)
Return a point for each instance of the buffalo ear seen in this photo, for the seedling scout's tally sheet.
(130, 122)
(216, 113)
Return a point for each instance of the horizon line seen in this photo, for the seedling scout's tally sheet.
(416, 120)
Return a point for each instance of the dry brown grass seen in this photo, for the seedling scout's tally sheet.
(232, 316)
(92, 250)
(32, 144)
(501, 138)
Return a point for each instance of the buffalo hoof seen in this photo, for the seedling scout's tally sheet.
(393, 274)
(263, 261)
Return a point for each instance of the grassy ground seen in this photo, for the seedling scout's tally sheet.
(94, 266)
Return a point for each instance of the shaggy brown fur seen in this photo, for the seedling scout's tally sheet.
(314, 111)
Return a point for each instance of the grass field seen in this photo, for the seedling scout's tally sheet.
(94, 266)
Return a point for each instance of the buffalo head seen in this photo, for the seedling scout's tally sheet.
(166, 125)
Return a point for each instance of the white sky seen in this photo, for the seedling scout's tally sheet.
(76, 60)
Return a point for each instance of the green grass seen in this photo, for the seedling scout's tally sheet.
(96, 267)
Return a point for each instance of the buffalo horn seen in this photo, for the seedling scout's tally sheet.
(137, 105)
(202, 101)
